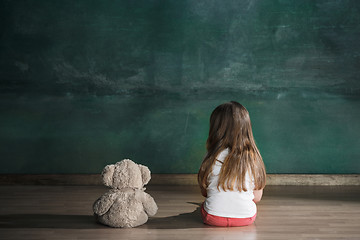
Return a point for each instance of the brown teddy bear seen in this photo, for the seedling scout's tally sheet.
(125, 204)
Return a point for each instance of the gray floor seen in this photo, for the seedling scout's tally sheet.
(64, 212)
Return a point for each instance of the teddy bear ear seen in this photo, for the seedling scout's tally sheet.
(145, 174)
(107, 175)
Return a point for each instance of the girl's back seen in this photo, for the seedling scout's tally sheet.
(232, 174)
(232, 204)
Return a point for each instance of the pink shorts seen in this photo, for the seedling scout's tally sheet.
(224, 221)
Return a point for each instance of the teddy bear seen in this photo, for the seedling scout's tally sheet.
(126, 204)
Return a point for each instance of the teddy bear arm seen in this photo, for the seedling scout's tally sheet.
(103, 204)
(149, 204)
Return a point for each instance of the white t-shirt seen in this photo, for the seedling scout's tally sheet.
(231, 204)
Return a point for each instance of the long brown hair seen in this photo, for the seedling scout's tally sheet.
(230, 127)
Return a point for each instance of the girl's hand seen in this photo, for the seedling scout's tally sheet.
(257, 195)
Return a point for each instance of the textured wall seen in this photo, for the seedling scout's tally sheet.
(87, 83)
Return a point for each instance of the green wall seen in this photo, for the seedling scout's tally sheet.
(87, 83)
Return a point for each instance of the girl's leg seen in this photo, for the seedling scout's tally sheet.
(223, 221)
(213, 220)
(239, 222)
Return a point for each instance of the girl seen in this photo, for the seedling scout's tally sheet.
(232, 174)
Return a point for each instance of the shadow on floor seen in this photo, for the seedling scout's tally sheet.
(49, 221)
(181, 221)
(185, 220)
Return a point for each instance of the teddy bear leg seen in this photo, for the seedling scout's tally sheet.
(143, 217)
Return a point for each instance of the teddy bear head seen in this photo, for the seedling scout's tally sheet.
(125, 174)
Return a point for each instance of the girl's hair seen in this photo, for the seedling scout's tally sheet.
(230, 127)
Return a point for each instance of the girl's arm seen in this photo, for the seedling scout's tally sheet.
(257, 195)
